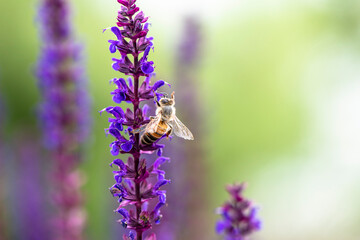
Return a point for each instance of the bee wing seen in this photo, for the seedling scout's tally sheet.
(151, 126)
(180, 129)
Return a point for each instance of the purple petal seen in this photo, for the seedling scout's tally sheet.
(130, 82)
(124, 213)
(158, 162)
(114, 149)
(118, 177)
(146, 52)
(123, 2)
(162, 197)
(112, 48)
(145, 206)
(116, 111)
(220, 226)
(129, 114)
(119, 163)
(105, 109)
(256, 225)
(145, 109)
(161, 174)
(119, 125)
(127, 146)
(119, 97)
(116, 66)
(158, 206)
(158, 84)
(147, 67)
(117, 32)
(132, 235)
(160, 183)
(159, 152)
(146, 26)
(115, 133)
(131, 12)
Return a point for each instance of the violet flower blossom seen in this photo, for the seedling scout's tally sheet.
(64, 114)
(136, 184)
(239, 216)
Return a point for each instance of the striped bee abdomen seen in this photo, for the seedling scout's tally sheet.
(148, 138)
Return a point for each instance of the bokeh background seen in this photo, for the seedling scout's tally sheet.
(278, 89)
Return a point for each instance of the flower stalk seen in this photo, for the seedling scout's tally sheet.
(136, 184)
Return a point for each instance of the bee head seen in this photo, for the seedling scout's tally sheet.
(166, 101)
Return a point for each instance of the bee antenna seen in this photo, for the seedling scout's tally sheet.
(164, 93)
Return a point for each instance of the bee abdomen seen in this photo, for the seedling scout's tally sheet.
(149, 138)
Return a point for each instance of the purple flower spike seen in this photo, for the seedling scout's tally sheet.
(136, 183)
(239, 216)
(64, 115)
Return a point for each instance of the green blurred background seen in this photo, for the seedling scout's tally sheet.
(280, 85)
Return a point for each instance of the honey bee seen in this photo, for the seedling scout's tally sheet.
(165, 122)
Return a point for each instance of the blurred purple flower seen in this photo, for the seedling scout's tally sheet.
(64, 113)
(190, 48)
(32, 224)
(187, 157)
(136, 184)
(65, 108)
(239, 216)
(3, 175)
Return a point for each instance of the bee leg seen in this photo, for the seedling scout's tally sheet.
(173, 95)
(168, 133)
(138, 130)
(155, 99)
